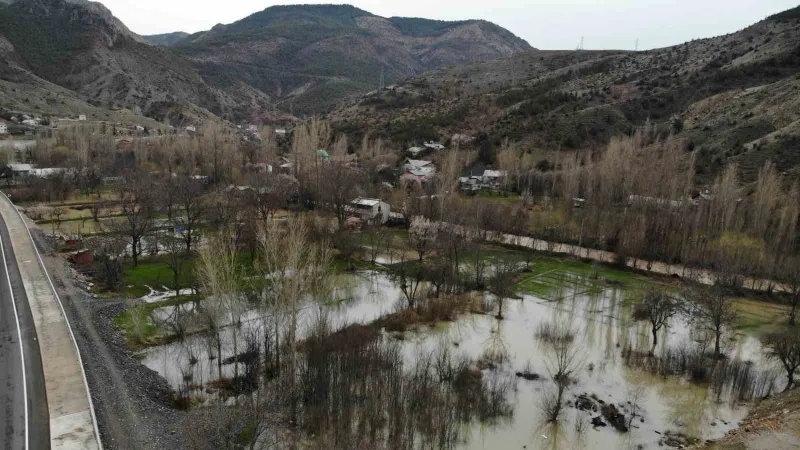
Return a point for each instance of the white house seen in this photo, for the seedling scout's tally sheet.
(30, 122)
(280, 131)
(82, 117)
(139, 128)
(419, 168)
(3, 128)
(191, 129)
(371, 210)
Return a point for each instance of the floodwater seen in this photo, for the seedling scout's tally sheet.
(598, 314)
(356, 298)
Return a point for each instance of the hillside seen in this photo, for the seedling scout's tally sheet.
(83, 48)
(166, 39)
(300, 59)
(732, 96)
(310, 57)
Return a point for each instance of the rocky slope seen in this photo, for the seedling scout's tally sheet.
(730, 97)
(83, 48)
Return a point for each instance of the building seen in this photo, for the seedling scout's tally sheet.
(492, 178)
(191, 129)
(30, 122)
(420, 169)
(280, 131)
(371, 210)
(3, 128)
(82, 117)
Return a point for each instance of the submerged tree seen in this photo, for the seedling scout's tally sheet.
(563, 361)
(785, 347)
(713, 309)
(502, 282)
(294, 268)
(657, 308)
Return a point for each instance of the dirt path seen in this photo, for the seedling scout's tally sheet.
(132, 402)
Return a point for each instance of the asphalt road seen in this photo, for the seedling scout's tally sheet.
(21, 428)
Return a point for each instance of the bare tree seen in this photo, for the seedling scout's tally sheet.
(789, 273)
(339, 184)
(193, 208)
(57, 214)
(713, 309)
(656, 308)
(422, 235)
(176, 258)
(220, 276)
(502, 282)
(137, 201)
(563, 362)
(294, 268)
(785, 347)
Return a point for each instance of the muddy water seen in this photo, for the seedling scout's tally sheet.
(602, 329)
(599, 316)
(356, 298)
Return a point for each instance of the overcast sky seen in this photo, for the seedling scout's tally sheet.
(553, 24)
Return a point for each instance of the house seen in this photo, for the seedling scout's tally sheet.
(371, 210)
(422, 170)
(191, 129)
(139, 128)
(82, 117)
(491, 178)
(3, 128)
(280, 131)
(471, 183)
(252, 128)
(13, 172)
(30, 122)
(578, 202)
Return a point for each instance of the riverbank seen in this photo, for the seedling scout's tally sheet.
(773, 424)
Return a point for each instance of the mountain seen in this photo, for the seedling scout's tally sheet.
(82, 47)
(301, 59)
(733, 98)
(166, 39)
(308, 57)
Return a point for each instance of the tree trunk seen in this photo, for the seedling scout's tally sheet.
(135, 252)
(655, 337)
(717, 352)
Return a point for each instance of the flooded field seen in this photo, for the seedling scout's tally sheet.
(608, 359)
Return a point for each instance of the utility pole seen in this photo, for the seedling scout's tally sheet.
(636, 49)
(381, 85)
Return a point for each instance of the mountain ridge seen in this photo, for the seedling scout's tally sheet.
(292, 58)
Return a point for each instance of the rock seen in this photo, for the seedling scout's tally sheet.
(615, 418)
(598, 422)
(585, 403)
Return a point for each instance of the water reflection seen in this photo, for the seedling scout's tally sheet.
(599, 313)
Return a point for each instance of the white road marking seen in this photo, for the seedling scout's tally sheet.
(21, 348)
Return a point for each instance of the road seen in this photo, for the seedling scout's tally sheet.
(24, 417)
